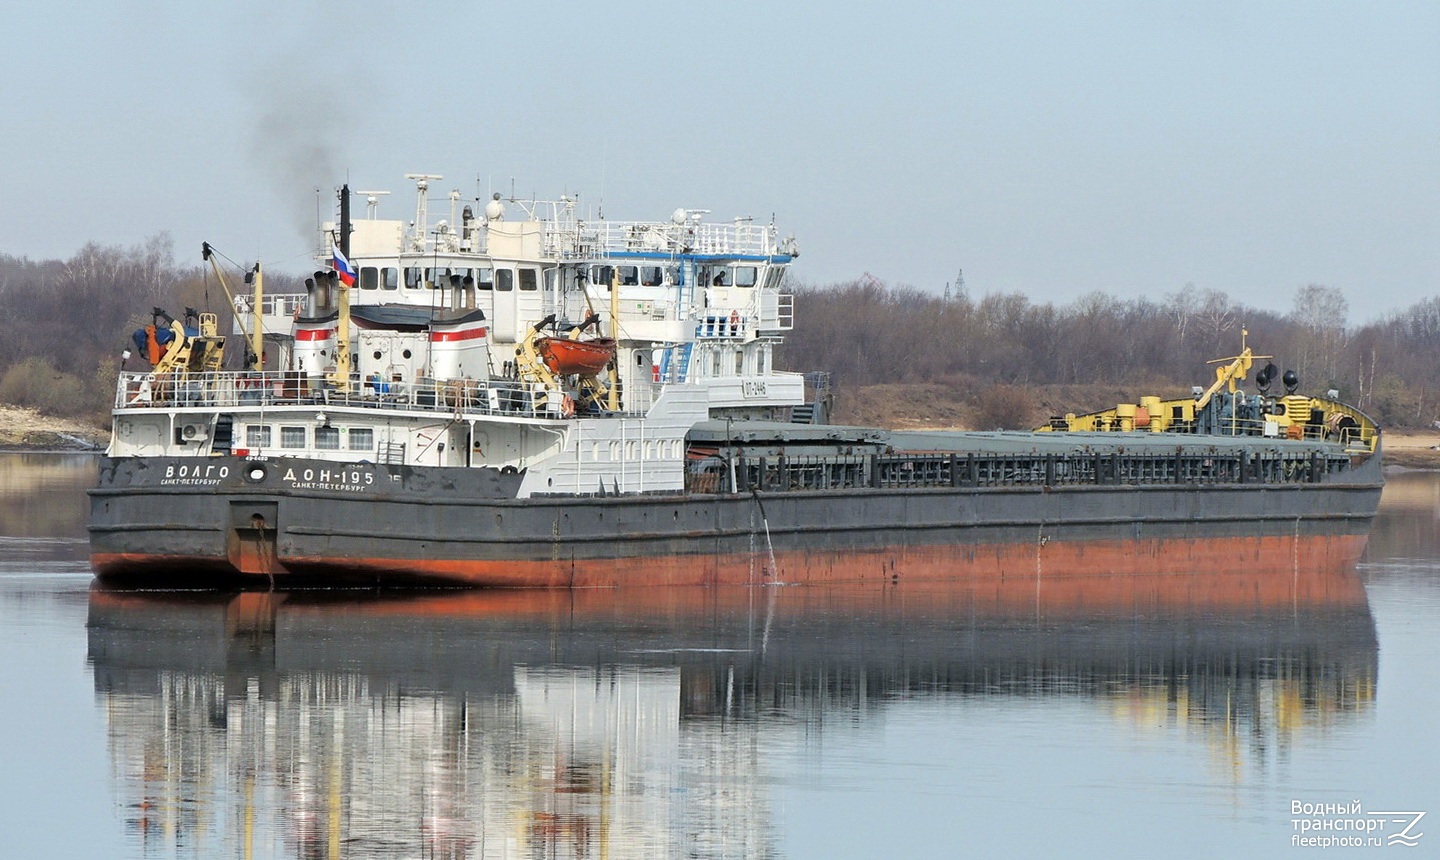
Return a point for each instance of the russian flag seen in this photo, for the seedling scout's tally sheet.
(343, 268)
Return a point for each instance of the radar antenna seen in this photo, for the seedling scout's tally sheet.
(422, 196)
(372, 202)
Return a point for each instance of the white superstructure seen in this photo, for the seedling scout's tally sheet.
(437, 354)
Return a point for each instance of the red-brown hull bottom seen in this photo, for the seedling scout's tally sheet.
(1192, 562)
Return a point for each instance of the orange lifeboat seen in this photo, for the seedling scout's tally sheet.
(565, 356)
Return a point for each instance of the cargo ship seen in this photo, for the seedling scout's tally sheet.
(526, 397)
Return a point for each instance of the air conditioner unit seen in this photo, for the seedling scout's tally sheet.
(193, 432)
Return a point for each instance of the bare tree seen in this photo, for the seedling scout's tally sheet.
(1321, 311)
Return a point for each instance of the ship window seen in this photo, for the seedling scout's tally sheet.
(651, 276)
(412, 278)
(629, 276)
(485, 279)
(504, 280)
(527, 279)
(327, 438)
(642, 357)
(739, 362)
(772, 278)
(389, 278)
(257, 435)
(722, 278)
(292, 437)
(437, 278)
(602, 275)
(362, 439)
(744, 276)
(369, 278)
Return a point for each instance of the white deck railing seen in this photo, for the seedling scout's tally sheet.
(247, 389)
(584, 239)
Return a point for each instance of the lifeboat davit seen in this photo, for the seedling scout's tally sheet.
(565, 356)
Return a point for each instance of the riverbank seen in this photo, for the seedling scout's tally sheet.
(1412, 450)
(27, 430)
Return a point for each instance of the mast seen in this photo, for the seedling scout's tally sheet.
(614, 404)
(257, 334)
(342, 330)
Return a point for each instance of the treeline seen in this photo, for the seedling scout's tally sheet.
(868, 333)
(63, 323)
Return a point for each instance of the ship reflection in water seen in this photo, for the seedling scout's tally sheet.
(640, 723)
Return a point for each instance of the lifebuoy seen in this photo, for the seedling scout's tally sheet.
(734, 322)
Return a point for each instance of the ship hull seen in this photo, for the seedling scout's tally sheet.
(377, 525)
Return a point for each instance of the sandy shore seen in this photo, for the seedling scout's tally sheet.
(26, 429)
(1419, 449)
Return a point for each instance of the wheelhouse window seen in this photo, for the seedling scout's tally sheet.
(602, 275)
(504, 280)
(745, 276)
(528, 280)
(437, 278)
(292, 437)
(369, 278)
(257, 435)
(389, 278)
(629, 276)
(327, 438)
(651, 276)
(362, 439)
(485, 279)
(413, 277)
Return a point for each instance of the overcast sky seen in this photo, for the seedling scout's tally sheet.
(1046, 148)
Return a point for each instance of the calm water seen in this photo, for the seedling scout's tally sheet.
(1104, 720)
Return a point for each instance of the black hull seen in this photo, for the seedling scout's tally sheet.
(376, 525)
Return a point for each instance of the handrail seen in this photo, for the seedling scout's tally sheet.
(232, 389)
